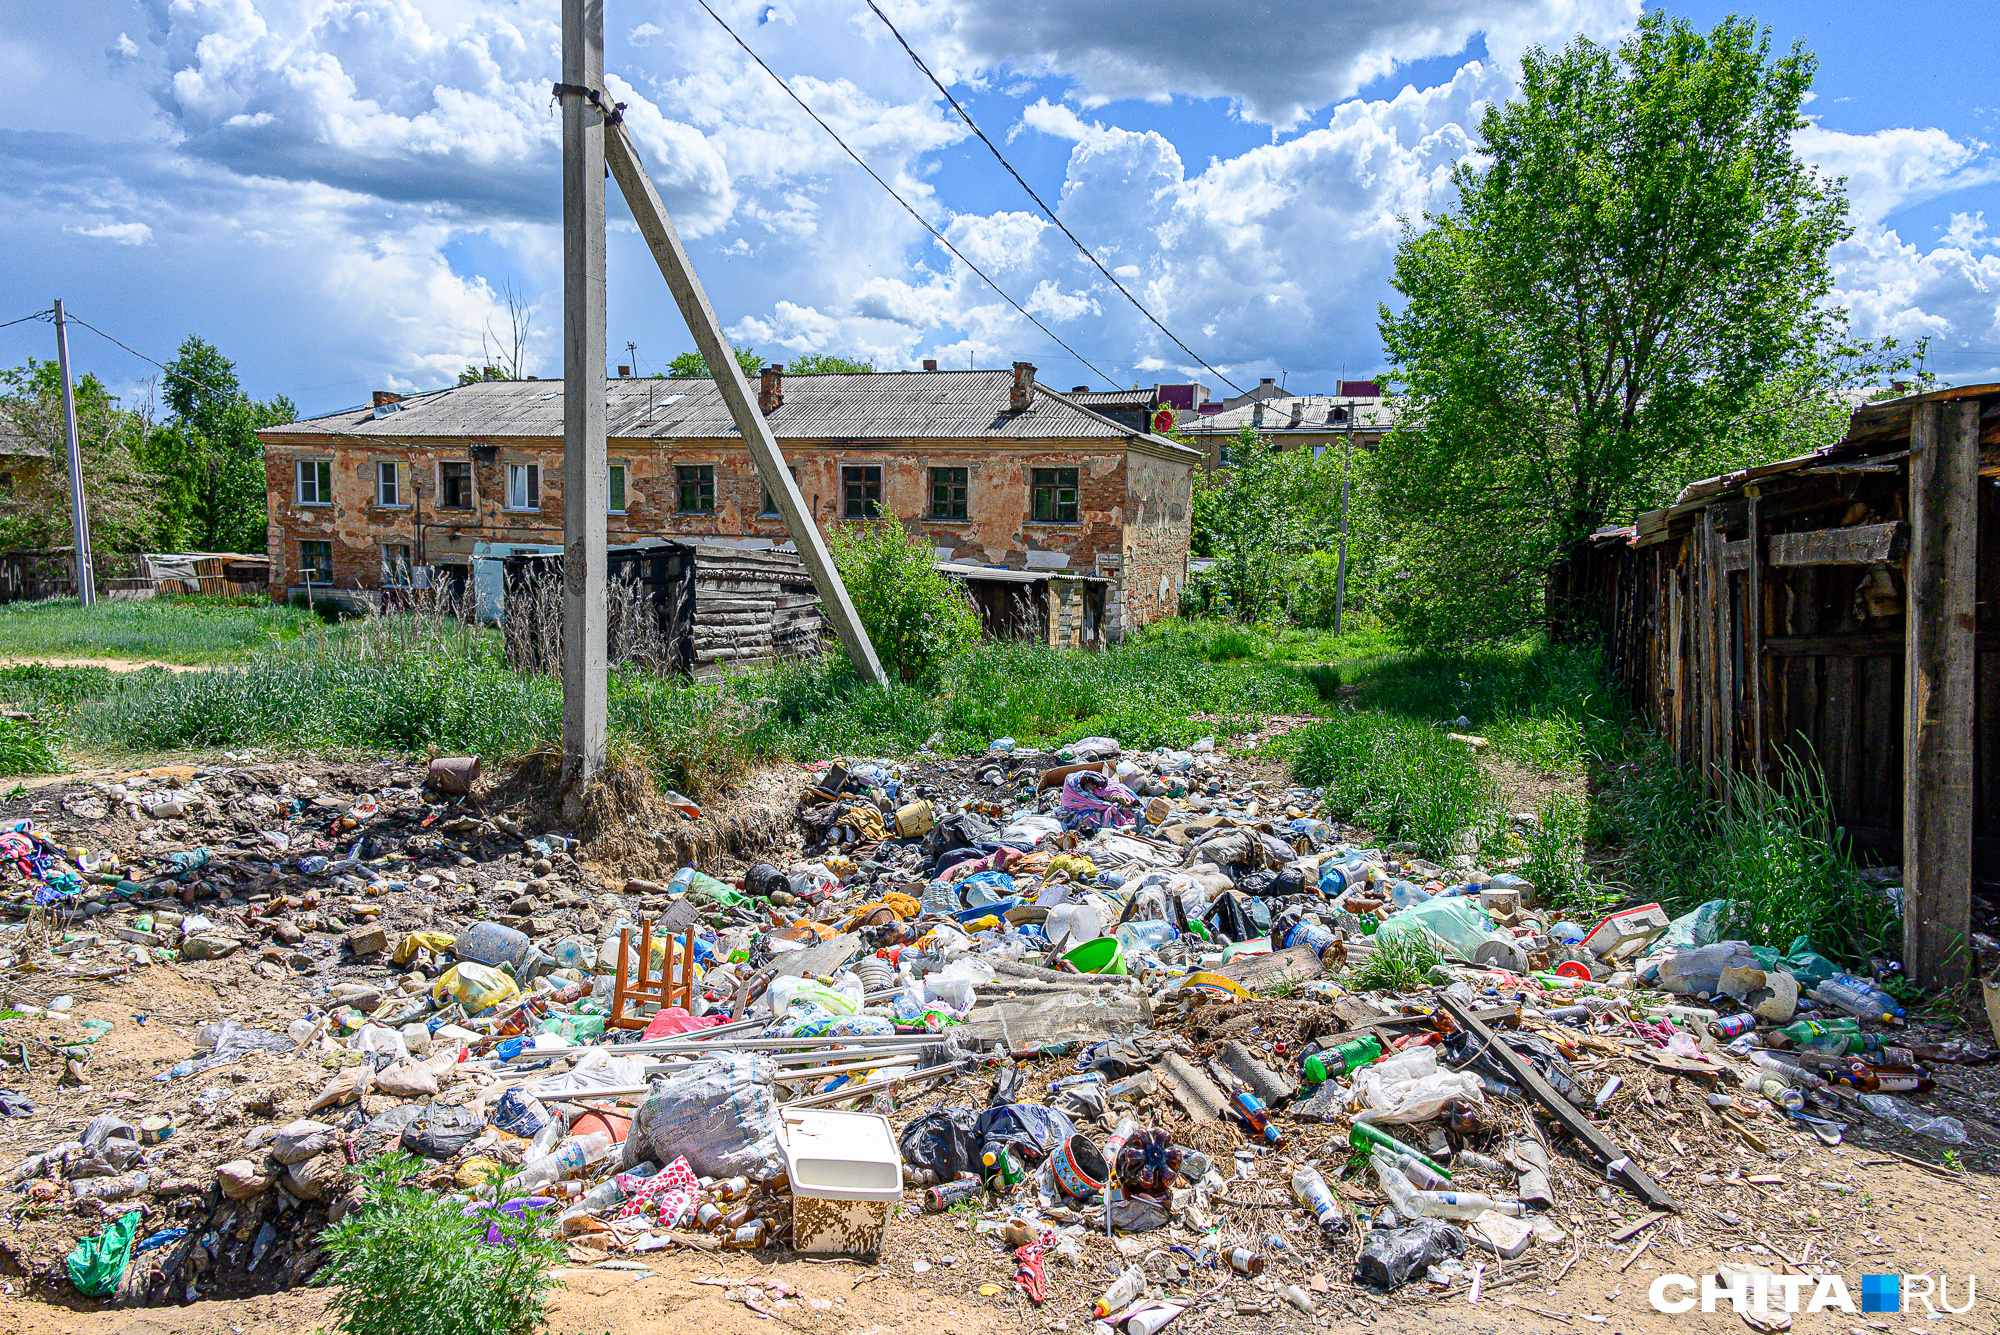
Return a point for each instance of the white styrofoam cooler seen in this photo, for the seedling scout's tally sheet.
(846, 1172)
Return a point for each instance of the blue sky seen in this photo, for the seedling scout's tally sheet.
(341, 193)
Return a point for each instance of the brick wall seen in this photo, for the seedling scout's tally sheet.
(998, 528)
(1155, 551)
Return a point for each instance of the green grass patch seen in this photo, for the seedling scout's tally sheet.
(1402, 779)
(169, 630)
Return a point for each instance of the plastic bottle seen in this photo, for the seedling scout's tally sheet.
(1252, 1110)
(1791, 1073)
(1367, 1136)
(1309, 1189)
(1123, 1292)
(1893, 1109)
(1410, 1202)
(491, 943)
(1407, 894)
(112, 1188)
(572, 1158)
(1337, 875)
(1817, 1033)
(1862, 1000)
(1881, 996)
(1348, 1057)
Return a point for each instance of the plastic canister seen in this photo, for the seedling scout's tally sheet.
(1079, 922)
(1343, 873)
(491, 943)
(915, 820)
(1147, 934)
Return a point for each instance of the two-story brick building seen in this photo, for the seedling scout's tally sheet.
(991, 467)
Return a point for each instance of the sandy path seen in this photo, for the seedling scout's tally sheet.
(115, 664)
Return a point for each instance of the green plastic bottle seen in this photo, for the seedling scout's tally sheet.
(1342, 1060)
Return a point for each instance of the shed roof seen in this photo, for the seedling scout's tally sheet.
(935, 405)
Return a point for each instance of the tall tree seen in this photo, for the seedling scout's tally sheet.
(121, 495)
(209, 454)
(694, 364)
(828, 363)
(1631, 283)
(1258, 516)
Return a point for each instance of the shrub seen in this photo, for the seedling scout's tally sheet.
(1402, 779)
(410, 1263)
(917, 615)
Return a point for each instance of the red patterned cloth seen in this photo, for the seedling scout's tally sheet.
(666, 1198)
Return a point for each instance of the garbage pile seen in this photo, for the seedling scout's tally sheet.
(1146, 1032)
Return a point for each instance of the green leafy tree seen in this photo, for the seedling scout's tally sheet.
(694, 364)
(1259, 516)
(916, 615)
(209, 455)
(1630, 285)
(473, 375)
(121, 495)
(828, 363)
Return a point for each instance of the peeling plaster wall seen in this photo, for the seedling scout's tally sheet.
(1132, 508)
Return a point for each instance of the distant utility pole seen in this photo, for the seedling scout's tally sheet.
(86, 574)
(1340, 569)
(585, 615)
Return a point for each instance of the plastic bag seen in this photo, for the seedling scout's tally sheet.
(520, 1113)
(1029, 1129)
(944, 1143)
(1392, 1257)
(1697, 927)
(1891, 1109)
(1409, 1087)
(99, 1262)
(441, 1131)
(720, 1112)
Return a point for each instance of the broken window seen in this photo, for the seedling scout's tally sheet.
(771, 505)
(948, 488)
(315, 482)
(697, 488)
(862, 487)
(524, 486)
(395, 565)
(1055, 496)
(389, 486)
(316, 562)
(455, 485)
(614, 490)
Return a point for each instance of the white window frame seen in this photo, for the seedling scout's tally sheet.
(389, 570)
(322, 469)
(398, 475)
(304, 566)
(533, 489)
(624, 486)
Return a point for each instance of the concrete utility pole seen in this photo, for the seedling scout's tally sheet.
(86, 574)
(585, 615)
(676, 268)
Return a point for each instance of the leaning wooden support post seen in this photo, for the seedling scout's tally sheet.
(1938, 692)
(678, 270)
(586, 615)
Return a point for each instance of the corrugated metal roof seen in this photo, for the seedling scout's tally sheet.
(938, 405)
(1313, 410)
(1112, 398)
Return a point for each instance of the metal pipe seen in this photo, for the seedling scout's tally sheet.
(872, 1086)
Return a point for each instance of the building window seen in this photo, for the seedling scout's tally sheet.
(455, 485)
(861, 488)
(1055, 496)
(770, 504)
(395, 565)
(315, 482)
(524, 486)
(389, 487)
(614, 490)
(948, 487)
(316, 562)
(697, 488)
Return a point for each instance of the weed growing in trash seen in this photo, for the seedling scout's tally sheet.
(24, 749)
(172, 630)
(410, 1263)
(1556, 863)
(1400, 778)
(1399, 962)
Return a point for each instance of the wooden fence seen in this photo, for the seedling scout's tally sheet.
(1835, 606)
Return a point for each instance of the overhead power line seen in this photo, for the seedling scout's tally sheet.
(921, 220)
(49, 313)
(1046, 210)
(236, 392)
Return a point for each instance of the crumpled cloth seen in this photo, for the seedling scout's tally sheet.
(864, 821)
(665, 1198)
(1091, 802)
(898, 903)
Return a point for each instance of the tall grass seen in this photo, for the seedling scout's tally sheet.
(1404, 780)
(169, 630)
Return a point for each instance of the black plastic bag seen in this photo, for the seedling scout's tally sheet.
(442, 1131)
(1392, 1257)
(943, 1143)
(1029, 1129)
(962, 830)
(1229, 918)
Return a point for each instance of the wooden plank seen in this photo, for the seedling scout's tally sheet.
(1880, 801)
(1562, 1109)
(1736, 555)
(1753, 640)
(1938, 693)
(1860, 545)
(1852, 644)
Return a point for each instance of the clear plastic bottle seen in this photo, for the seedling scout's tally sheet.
(1310, 1190)
(1435, 1204)
(1862, 1000)
(572, 1158)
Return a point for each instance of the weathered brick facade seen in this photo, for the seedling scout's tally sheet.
(1130, 503)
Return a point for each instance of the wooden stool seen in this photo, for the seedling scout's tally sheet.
(673, 987)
